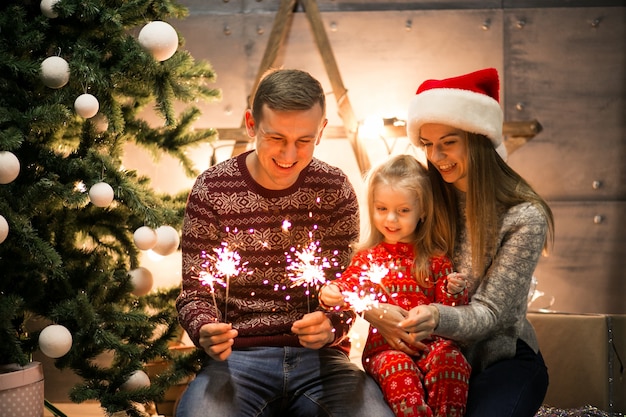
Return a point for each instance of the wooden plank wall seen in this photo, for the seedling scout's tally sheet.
(561, 62)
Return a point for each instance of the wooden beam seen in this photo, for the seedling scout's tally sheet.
(517, 134)
(344, 107)
(275, 43)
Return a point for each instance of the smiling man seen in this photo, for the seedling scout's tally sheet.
(271, 350)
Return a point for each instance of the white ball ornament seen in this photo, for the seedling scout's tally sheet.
(4, 229)
(9, 167)
(136, 380)
(100, 122)
(167, 240)
(159, 38)
(101, 194)
(142, 281)
(55, 341)
(86, 106)
(145, 238)
(55, 72)
(47, 8)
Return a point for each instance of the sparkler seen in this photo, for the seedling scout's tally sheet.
(367, 294)
(307, 269)
(219, 269)
(207, 278)
(360, 301)
(375, 275)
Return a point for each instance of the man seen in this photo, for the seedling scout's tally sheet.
(274, 353)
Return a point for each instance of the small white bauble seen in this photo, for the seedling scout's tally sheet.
(136, 380)
(9, 167)
(145, 238)
(160, 39)
(4, 229)
(142, 281)
(86, 106)
(55, 341)
(55, 72)
(47, 8)
(167, 240)
(100, 122)
(101, 194)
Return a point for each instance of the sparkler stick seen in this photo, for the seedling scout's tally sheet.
(227, 263)
(219, 268)
(207, 278)
(307, 269)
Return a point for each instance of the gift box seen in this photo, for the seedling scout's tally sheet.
(585, 356)
(21, 390)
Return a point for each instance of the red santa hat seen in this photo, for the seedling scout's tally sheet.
(468, 102)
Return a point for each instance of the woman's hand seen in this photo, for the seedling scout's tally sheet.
(420, 323)
(386, 319)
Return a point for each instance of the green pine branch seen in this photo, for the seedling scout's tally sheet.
(65, 260)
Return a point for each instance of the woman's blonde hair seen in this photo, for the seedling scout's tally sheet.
(493, 187)
(406, 172)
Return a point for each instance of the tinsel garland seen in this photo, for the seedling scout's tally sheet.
(586, 411)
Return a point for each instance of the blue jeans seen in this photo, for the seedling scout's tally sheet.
(283, 381)
(512, 387)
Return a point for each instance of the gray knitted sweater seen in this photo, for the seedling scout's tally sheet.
(489, 326)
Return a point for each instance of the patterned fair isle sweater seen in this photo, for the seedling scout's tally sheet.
(489, 326)
(266, 229)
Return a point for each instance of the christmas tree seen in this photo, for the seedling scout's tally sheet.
(75, 78)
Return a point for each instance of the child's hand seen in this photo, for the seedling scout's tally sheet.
(456, 283)
(331, 296)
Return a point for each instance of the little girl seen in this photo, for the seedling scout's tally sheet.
(403, 263)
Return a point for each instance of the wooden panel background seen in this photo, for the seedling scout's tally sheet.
(561, 62)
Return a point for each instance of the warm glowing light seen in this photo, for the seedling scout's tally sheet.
(308, 267)
(218, 269)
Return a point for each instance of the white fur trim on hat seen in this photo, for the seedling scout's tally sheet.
(462, 109)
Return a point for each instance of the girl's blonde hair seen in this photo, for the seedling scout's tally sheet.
(406, 172)
(493, 187)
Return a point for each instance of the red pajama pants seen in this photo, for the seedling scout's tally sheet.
(433, 384)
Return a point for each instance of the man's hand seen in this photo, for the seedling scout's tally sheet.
(314, 330)
(217, 339)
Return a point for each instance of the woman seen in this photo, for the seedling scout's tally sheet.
(498, 227)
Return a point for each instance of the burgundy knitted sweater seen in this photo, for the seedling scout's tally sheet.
(266, 229)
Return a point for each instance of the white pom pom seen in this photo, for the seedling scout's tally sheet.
(86, 106)
(9, 167)
(136, 380)
(142, 281)
(4, 229)
(167, 240)
(55, 341)
(145, 238)
(101, 194)
(47, 8)
(55, 72)
(160, 39)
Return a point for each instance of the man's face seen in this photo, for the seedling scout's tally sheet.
(285, 142)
